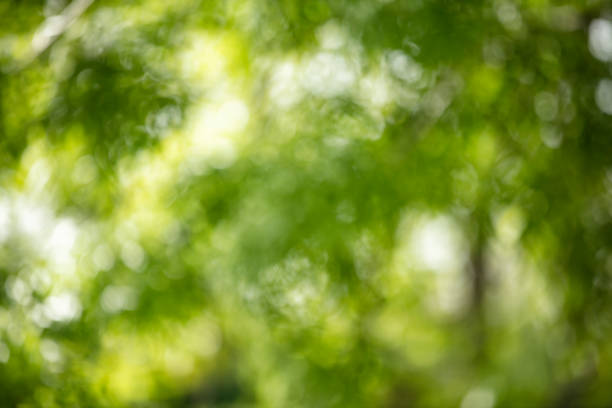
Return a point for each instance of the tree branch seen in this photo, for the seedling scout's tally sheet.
(53, 27)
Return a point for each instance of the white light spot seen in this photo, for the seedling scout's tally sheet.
(509, 15)
(40, 280)
(117, 298)
(600, 39)
(103, 257)
(233, 116)
(18, 290)
(157, 122)
(329, 75)
(230, 116)
(50, 351)
(63, 307)
(603, 96)
(61, 241)
(132, 255)
(331, 36)
(375, 90)
(39, 317)
(479, 398)
(32, 220)
(551, 136)
(284, 87)
(404, 67)
(436, 244)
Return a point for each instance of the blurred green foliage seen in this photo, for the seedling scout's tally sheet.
(392, 203)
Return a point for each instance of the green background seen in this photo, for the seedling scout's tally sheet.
(281, 203)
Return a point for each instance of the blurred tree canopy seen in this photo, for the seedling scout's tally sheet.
(250, 203)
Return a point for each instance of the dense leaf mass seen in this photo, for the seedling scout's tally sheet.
(323, 203)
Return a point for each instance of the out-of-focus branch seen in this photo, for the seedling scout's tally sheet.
(53, 27)
(479, 278)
